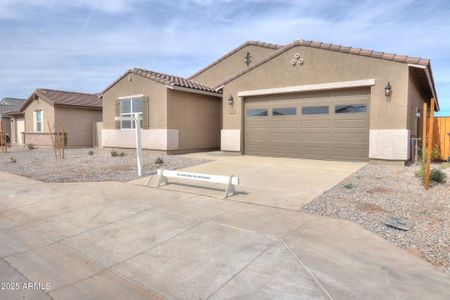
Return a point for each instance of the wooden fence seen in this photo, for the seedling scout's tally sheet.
(441, 136)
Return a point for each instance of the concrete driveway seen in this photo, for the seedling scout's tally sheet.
(275, 182)
(125, 241)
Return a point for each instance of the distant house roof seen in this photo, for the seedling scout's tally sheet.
(66, 98)
(168, 80)
(249, 43)
(9, 104)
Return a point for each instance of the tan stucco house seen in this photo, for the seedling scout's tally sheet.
(304, 99)
(179, 115)
(78, 111)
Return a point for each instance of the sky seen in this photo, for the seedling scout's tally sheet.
(84, 45)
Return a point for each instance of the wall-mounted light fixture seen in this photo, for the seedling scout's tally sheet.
(388, 90)
(230, 100)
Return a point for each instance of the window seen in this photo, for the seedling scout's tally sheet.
(257, 112)
(285, 111)
(38, 121)
(350, 108)
(128, 107)
(314, 110)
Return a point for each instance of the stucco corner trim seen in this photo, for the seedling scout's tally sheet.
(230, 140)
(389, 144)
(309, 87)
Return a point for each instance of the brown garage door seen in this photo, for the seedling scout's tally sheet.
(326, 125)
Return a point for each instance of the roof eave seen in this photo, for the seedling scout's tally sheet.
(429, 75)
(195, 91)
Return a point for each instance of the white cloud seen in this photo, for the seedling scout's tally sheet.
(182, 37)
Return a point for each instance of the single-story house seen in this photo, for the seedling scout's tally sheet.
(7, 106)
(46, 107)
(305, 99)
(178, 115)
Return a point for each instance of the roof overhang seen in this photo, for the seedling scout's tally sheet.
(423, 74)
(309, 88)
(13, 113)
(183, 89)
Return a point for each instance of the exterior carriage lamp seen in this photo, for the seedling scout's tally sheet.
(230, 100)
(388, 90)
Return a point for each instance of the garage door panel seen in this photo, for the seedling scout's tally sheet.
(285, 136)
(316, 133)
(349, 137)
(355, 123)
(349, 154)
(314, 124)
(314, 151)
(284, 123)
(316, 137)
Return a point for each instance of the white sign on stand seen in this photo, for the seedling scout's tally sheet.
(137, 125)
(230, 181)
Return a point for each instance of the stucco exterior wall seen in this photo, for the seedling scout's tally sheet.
(138, 85)
(323, 66)
(415, 101)
(231, 65)
(78, 125)
(196, 117)
(48, 115)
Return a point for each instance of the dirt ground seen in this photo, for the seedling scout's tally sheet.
(80, 165)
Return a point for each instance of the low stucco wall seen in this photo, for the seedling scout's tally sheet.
(39, 138)
(230, 140)
(154, 139)
(389, 144)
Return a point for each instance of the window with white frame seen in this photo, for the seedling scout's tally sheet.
(38, 121)
(128, 107)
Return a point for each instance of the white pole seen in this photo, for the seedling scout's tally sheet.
(137, 123)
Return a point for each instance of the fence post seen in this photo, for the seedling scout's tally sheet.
(430, 146)
(424, 130)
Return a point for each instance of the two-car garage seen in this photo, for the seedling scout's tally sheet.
(330, 125)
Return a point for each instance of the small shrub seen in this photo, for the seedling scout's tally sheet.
(91, 152)
(159, 161)
(13, 160)
(349, 186)
(121, 154)
(31, 147)
(114, 153)
(436, 175)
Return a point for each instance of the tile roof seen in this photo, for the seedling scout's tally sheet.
(57, 97)
(8, 105)
(169, 80)
(337, 48)
(249, 43)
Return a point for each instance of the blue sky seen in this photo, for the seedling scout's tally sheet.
(84, 45)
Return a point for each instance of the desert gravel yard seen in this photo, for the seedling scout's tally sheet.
(79, 165)
(376, 193)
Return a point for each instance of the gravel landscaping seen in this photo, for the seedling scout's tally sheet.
(376, 193)
(79, 165)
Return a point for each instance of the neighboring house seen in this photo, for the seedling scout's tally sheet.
(45, 107)
(7, 106)
(178, 115)
(305, 99)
